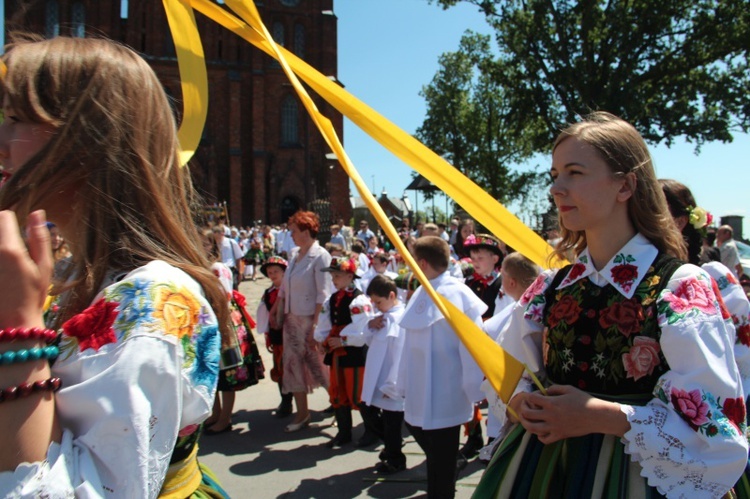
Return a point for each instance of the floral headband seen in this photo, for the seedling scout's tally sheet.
(699, 218)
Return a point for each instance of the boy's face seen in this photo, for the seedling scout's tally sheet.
(383, 303)
(276, 274)
(341, 279)
(484, 260)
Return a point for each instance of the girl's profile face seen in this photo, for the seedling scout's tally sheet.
(20, 140)
(584, 188)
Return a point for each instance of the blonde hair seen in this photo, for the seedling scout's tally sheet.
(623, 149)
(115, 146)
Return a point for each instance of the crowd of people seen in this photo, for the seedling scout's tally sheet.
(120, 351)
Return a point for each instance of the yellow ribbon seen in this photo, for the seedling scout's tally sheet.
(193, 75)
(503, 370)
(482, 207)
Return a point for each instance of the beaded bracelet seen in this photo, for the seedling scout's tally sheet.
(26, 389)
(31, 354)
(27, 333)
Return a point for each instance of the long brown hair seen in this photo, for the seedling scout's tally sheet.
(116, 149)
(623, 149)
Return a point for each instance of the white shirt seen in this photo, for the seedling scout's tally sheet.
(230, 252)
(438, 377)
(123, 404)
(380, 384)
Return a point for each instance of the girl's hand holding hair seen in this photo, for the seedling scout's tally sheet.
(568, 412)
(29, 423)
(25, 274)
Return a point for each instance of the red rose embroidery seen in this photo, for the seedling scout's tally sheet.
(743, 334)
(567, 309)
(642, 358)
(690, 407)
(624, 275)
(93, 326)
(356, 310)
(734, 409)
(626, 315)
(576, 271)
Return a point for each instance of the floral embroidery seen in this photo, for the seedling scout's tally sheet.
(598, 338)
(205, 369)
(743, 332)
(703, 412)
(178, 309)
(735, 411)
(691, 407)
(576, 271)
(624, 274)
(363, 309)
(626, 316)
(566, 309)
(691, 295)
(642, 358)
(536, 288)
(93, 327)
(136, 305)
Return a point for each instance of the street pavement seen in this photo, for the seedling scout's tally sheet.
(258, 460)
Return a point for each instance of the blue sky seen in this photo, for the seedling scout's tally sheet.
(388, 50)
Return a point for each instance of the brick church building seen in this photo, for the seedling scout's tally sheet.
(260, 152)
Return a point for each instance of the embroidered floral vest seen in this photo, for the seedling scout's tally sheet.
(602, 342)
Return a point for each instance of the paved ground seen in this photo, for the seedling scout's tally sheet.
(258, 460)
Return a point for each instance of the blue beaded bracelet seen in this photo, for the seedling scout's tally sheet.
(24, 355)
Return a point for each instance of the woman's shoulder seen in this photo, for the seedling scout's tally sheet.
(157, 300)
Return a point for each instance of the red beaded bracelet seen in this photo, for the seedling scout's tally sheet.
(26, 389)
(27, 333)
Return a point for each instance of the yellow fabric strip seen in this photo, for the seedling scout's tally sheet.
(183, 478)
(193, 74)
(501, 369)
(480, 205)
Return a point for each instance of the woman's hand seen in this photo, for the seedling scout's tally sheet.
(568, 412)
(26, 273)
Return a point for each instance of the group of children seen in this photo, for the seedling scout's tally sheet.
(365, 329)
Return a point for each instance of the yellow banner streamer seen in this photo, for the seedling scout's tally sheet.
(193, 75)
(480, 205)
(501, 369)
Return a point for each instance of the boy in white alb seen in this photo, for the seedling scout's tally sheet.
(382, 408)
(438, 376)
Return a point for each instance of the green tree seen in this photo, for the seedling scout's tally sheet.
(673, 68)
(469, 123)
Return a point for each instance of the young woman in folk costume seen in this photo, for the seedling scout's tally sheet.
(89, 138)
(643, 396)
(241, 365)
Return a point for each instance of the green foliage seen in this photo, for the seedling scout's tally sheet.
(673, 68)
(469, 123)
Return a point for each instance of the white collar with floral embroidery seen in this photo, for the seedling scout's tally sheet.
(624, 271)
